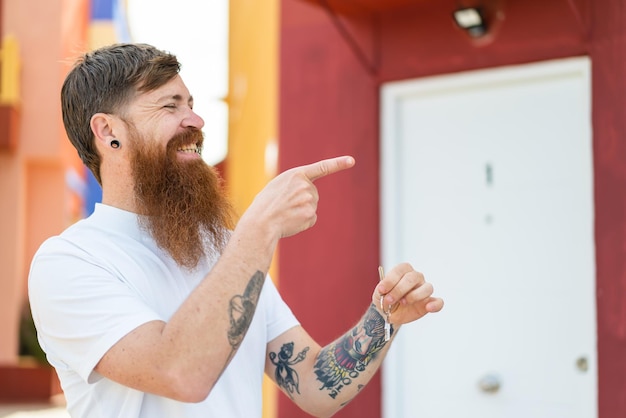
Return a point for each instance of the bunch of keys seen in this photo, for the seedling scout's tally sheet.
(381, 275)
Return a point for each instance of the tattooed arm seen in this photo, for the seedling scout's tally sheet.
(323, 380)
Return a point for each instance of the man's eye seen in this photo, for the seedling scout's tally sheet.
(170, 106)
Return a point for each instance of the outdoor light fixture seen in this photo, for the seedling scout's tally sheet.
(471, 20)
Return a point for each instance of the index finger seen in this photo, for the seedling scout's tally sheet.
(325, 167)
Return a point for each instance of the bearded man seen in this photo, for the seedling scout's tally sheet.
(157, 304)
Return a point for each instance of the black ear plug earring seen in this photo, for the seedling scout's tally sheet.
(115, 144)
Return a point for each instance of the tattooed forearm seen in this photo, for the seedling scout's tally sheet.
(339, 363)
(286, 376)
(242, 309)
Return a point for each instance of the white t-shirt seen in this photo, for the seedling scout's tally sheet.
(104, 277)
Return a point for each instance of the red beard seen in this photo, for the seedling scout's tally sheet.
(182, 204)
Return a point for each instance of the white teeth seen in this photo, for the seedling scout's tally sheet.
(190, 148)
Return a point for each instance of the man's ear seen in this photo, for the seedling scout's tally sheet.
(102, 127)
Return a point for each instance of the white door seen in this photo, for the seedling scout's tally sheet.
(487, 189)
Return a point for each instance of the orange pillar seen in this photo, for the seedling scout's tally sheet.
(252, 99)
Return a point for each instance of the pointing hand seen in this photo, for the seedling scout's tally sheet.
(288, 204)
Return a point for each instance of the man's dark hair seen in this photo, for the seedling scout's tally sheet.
(105, 80)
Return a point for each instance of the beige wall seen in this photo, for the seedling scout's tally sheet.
(34, 199)
(11, 258)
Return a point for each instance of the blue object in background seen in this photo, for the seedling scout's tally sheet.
(93, 193)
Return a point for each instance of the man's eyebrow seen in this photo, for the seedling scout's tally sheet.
(175, 97)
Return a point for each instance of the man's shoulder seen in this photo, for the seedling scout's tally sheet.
(90, 236)
(79, 234)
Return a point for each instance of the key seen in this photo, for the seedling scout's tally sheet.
(387, 328)
(381, 275)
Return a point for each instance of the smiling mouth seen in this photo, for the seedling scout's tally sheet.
(190, 149)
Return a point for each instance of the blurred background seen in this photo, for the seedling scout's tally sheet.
(490, 144)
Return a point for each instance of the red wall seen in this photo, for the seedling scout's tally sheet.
(608, 52)
(329, 105)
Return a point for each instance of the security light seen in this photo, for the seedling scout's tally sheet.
(471, 20)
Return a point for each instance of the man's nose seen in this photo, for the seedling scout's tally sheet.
(193, 120)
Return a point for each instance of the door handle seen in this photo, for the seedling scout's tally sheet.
(489, 383)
